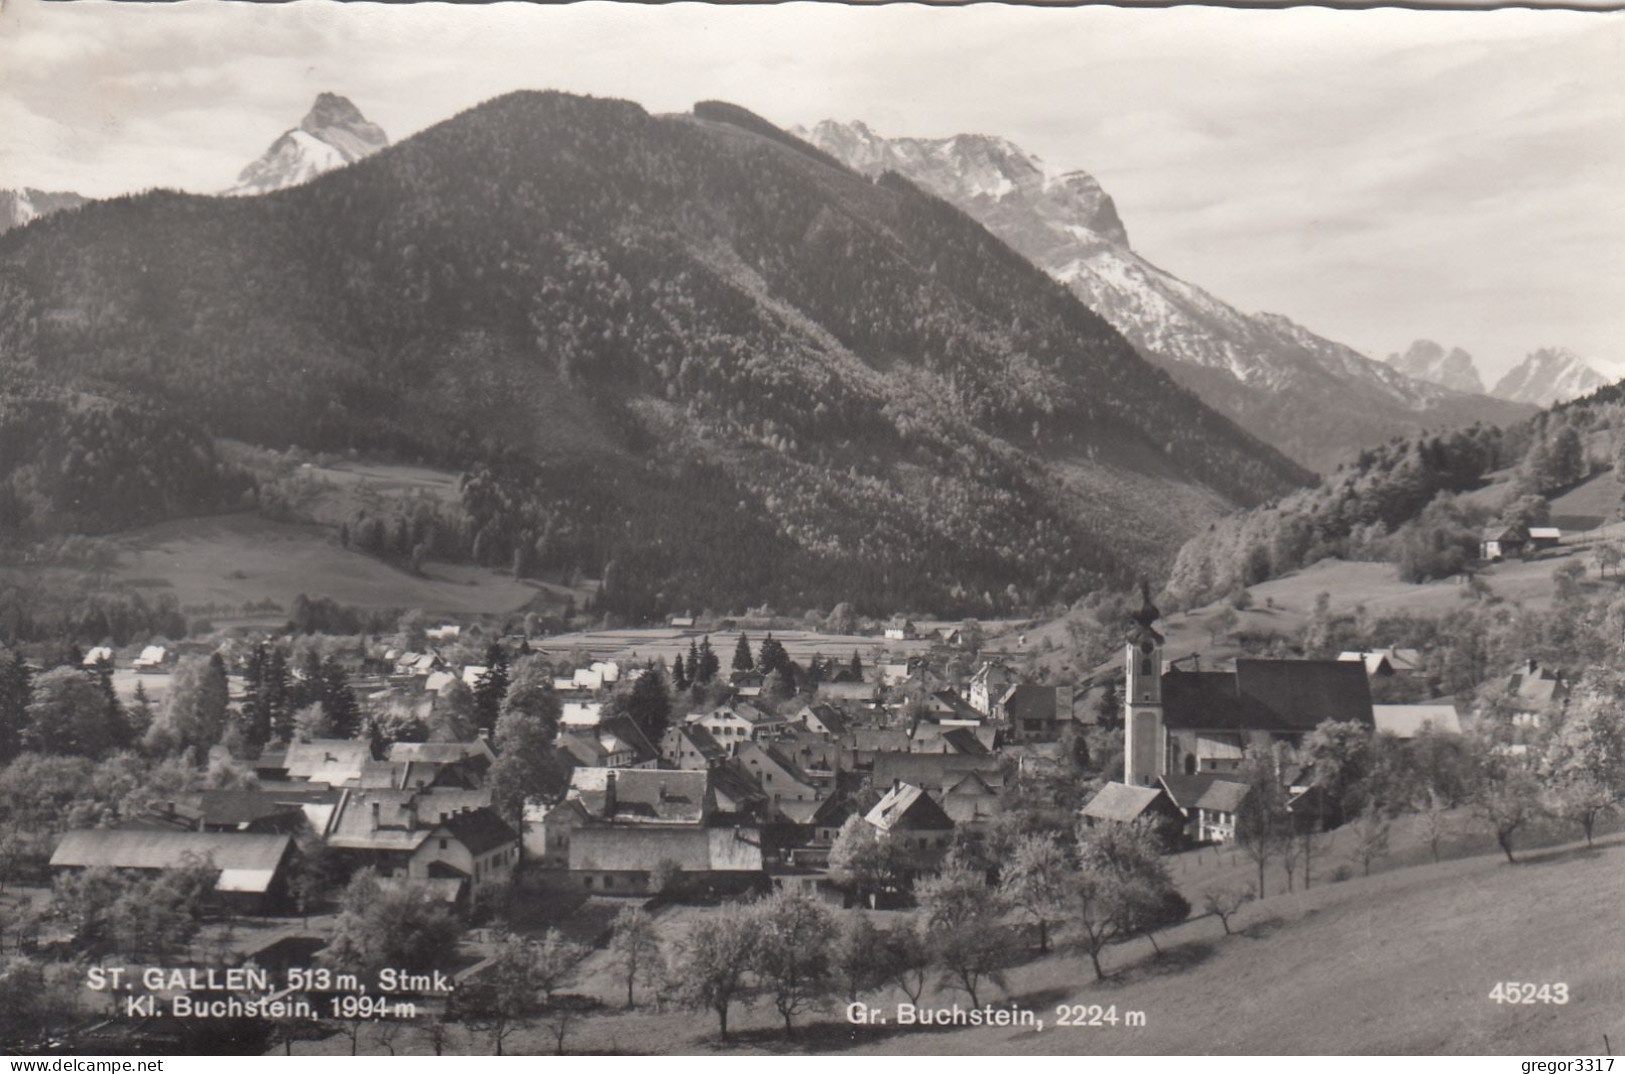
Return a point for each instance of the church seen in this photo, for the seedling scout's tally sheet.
(1185, 722)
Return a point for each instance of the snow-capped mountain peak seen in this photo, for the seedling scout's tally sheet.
(1427, 360)
(1547, 376)
(332, 134)
(1308, 396)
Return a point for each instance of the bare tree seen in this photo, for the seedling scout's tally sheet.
(633, 948)
(1371, 837)
(1224, 903)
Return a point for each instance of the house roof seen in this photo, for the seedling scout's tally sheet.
(327, 760)
(1276, 695)
(827, 715)
(644, 796)
(733, 784)
(439, 752)
(251, 860)
(934, 771)
(1205, 790)
(1121, 802)
(236, 807)
(1408, 721)
(701, 740)
(907, 807)
(936, 738)
(480, 830)
(1545, 533)
(1028, 701)
(695, 850)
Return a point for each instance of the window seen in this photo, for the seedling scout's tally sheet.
(444, 843)
(587, 881)
(609, 882)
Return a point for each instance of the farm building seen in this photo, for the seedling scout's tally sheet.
(253, 867)
(1208, 802)
(1119, 803)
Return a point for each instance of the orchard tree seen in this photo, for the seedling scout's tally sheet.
(962, 918)
(716, 956)
(793, 959)
(634, 949)
(1035, 879)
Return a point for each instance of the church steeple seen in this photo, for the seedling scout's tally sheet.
(1144, 747)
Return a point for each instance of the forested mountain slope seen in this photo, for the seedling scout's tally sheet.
(686, 351)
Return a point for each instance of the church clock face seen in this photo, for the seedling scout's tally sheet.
(1147, 647)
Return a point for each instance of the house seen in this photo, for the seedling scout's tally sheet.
(548, 829)
(780, 778)
(891, 674)
(932, 737)
(1208, 801)
(333, 761)
(847, 692)
(643, 796)
(1543, 537)
(253, 866)
(1119, 803)
(621, 860)
(477, 751)
(909, 817)
(422, 835)
(741, 722)
(1537, 693)
(822, 719)
(966, 786)
(1409, 721)
(691, 747)
(443, 633)
(153, 658)
(1504, 542)
(681, 622)
(863, 744)
(1382, 663)
(739, 799)
(100, 654)
(987, 685)
(948, 705)
(1034, 713)
(616, 743)
(439, 681)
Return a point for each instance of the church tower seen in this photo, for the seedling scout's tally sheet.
(1144, 740)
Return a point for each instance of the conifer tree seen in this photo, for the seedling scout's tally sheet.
(743, 661)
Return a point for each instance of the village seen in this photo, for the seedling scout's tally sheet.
(516, 831)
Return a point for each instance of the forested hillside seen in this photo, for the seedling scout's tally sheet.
(699, 357)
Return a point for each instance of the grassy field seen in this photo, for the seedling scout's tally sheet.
(1401, 962)
(227, 561)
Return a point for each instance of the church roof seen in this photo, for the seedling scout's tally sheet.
(1267, 695)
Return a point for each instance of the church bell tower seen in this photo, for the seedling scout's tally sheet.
(1144, 739)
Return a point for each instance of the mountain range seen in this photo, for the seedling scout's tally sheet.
(1545, 377)
(1314, 399)
(690, 354)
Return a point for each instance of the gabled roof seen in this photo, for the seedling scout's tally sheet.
(644, 796)
(1205, 790)
(907, 807)
(931, 737)
(480, 830)
(1028, 701)
(934, 771)
(764, 755)
(1408, 721)
(827, 715)
(1545, 533)
(327, 760)
(439, 752)
(694, 850)
(1121, 802)
(701, 740)
(1272, 695)
(250, 859)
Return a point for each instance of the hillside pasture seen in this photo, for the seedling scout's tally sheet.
(226, 562)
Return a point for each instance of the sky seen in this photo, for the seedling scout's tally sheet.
(1378, 176)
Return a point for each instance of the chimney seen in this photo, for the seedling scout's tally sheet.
(896, 785)
(375, 816)
(412, 814)
(609, 794)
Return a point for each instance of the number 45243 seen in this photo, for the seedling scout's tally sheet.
(1514, 992)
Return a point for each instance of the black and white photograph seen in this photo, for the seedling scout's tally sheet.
(611, 529)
